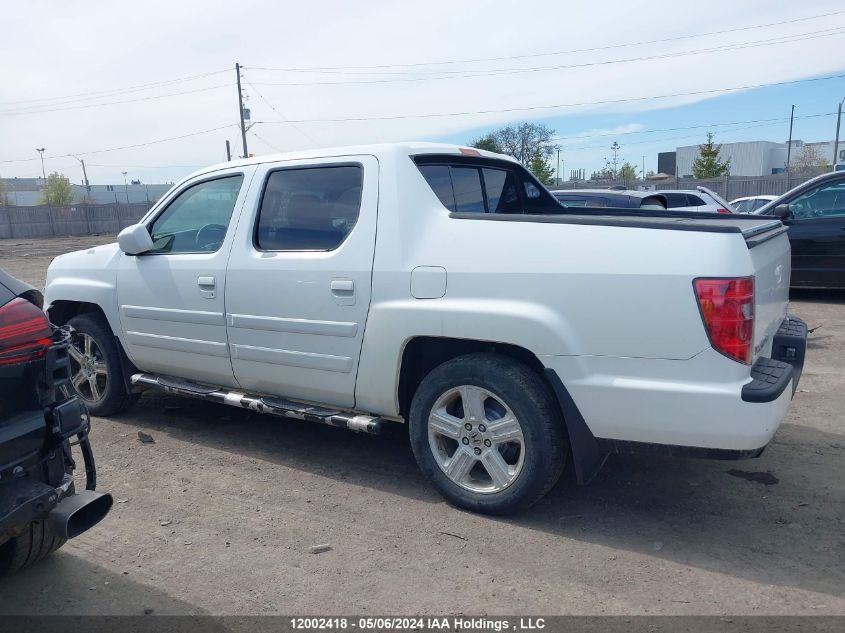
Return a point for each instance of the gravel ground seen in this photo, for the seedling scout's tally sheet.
(219, 515)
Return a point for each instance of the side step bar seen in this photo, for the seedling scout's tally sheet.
(262, 404)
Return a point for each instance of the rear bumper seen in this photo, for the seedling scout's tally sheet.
(705, 406)
(36, 482)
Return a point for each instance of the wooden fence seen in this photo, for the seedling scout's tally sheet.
(80, 219)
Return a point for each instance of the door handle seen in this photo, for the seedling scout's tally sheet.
(343, 285)
(207, 284)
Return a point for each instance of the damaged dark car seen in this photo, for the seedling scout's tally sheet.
(43, 435)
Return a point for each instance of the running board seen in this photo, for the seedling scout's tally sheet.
(262, 404)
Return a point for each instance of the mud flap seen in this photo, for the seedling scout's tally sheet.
(588, 455)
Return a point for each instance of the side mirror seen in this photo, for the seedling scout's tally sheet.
(135, 239)
(782, 211)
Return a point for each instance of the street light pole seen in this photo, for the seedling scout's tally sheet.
(40, 151)
(125, 186)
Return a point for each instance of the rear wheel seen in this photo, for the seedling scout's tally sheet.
(95, 367)
(487, 432)
(35, 543)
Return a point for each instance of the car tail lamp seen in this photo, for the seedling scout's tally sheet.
(720, 210)
(727, 309)
(25, 332)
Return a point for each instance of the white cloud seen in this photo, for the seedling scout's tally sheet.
(59, 49)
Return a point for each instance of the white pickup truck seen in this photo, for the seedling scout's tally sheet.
(445, 287)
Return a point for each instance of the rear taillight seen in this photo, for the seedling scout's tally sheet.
(25, 332)
(720, 210)
(727, 309)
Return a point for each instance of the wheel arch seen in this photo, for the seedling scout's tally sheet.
(422, 354)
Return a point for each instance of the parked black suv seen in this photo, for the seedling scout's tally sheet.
(40, 507)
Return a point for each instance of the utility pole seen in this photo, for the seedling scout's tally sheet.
(228, 151)
(836, 142)
(40, 150)
(643, 174)
(125, 186)
(241, 109)
(789, 145)
(84, 174)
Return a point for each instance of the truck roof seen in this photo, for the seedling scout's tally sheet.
(405, 148)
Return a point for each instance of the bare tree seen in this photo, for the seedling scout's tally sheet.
(526, 141)
(809, 162)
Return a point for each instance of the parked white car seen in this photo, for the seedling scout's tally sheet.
(750, 204)
(703, 200)
(443, 287)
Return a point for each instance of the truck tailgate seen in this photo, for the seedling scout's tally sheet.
(771, 261)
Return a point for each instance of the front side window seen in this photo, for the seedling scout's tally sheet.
(196, 220)
(309, 209)
(820, 202)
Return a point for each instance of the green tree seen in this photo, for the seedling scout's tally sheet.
(487, 142)
(4, 198)
(541, 169)
(708, 164)
(57, 190)
(627, 172)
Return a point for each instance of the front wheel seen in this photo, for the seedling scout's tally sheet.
(488, 433)
(96, 372)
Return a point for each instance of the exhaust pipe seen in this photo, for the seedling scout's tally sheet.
(78, 513)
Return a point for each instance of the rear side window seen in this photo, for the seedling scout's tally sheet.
(695, 201)
(309, 209)
(489, 187)
(677, 200)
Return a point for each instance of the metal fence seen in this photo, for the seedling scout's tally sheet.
(729, 187)
(81, 219)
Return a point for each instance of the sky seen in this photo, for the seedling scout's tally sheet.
(84, 77)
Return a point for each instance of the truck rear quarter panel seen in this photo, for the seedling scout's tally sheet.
(554, 289)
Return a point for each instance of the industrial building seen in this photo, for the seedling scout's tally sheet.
(751, 158)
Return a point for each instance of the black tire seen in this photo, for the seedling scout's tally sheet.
(30, 547)
(114, 395)
(531, 401)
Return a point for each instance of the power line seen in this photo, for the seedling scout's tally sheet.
(273, 108)
(99, 94)
(555, 106)
(687, 127)
(463, 74)
(565, 52)
(108, 103)
(114, 149)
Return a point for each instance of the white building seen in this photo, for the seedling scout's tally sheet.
(752, 158)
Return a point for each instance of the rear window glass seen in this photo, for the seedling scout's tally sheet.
(484, 186)
(501, 187)
(466, 183)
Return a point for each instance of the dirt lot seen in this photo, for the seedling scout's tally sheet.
(219, 514)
